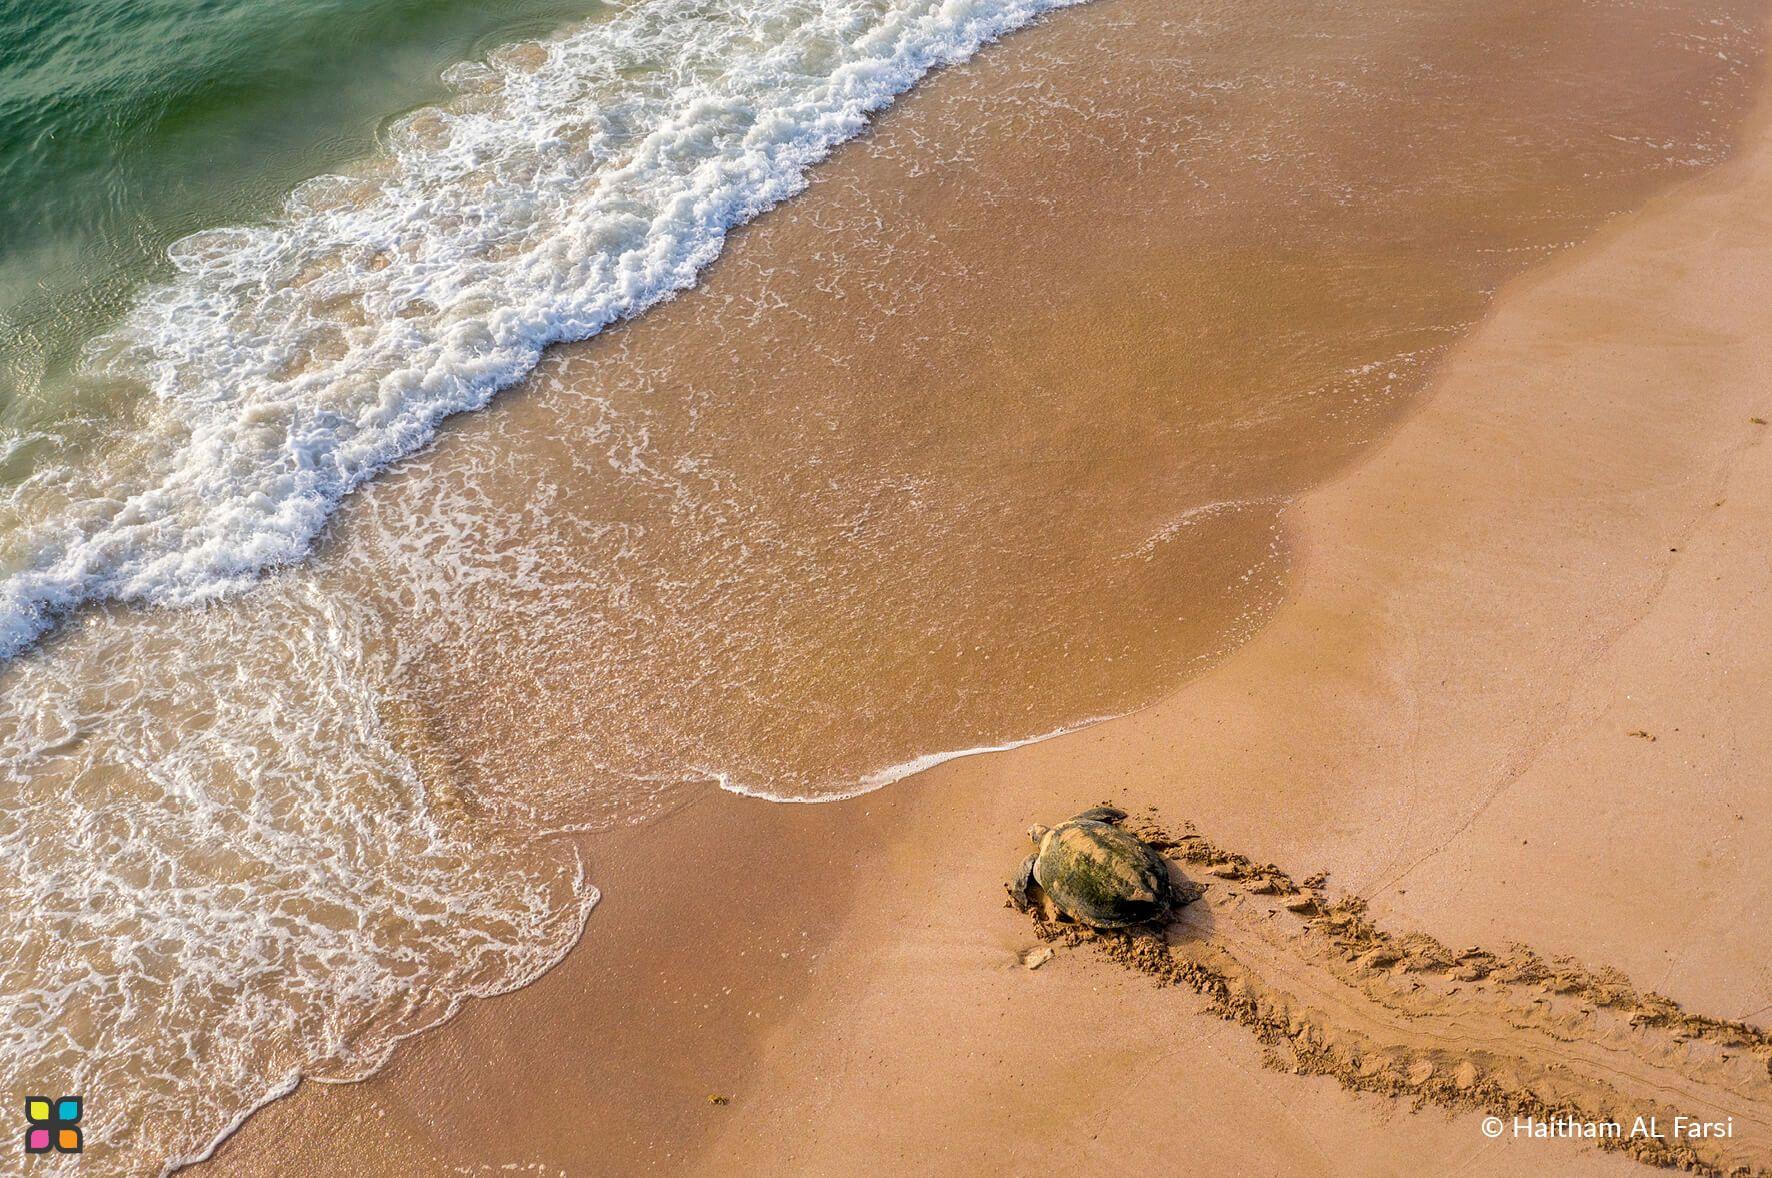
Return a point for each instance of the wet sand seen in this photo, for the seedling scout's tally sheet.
(1562, 549)
(990, 431)
(1510, 696)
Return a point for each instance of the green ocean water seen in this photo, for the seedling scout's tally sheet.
(128, 124)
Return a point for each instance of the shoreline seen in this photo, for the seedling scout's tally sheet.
(49, 589)
(919, 835)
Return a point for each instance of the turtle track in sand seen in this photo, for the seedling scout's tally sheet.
(1505, 1033)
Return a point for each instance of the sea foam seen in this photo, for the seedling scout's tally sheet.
(224, 853)
(572, 183)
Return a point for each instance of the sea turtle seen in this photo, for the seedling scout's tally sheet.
(1091, 871)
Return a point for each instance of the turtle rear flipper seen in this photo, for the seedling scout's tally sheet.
(1105, 814)
(1021, 887)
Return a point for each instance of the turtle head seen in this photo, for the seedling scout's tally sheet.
(1037, 832)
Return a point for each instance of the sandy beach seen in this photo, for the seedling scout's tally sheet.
(1509, 691)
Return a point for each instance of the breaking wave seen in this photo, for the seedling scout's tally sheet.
(569, 184)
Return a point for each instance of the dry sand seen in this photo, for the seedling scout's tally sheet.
(1516, 694)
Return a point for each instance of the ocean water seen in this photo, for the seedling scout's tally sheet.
(561, 188)
(253, 252)
(953, 453)
(126, 125)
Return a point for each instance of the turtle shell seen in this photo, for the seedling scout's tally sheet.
(1102, 876)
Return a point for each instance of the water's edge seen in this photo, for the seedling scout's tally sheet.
(261, 429)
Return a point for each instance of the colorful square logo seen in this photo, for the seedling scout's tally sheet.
(53, 1124)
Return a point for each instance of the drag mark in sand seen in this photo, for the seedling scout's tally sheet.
(1545, 1042)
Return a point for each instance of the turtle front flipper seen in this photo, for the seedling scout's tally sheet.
(1105, 814)
(1020, 888)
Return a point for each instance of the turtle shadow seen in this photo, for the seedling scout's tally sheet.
(1188, 919)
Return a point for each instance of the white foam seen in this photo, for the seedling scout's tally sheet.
(1152, 544)
(219, 873)
(881, 778)
(222, 868)
(289, 362)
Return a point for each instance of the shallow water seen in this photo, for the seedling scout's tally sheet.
(987, 435)
(565, 186)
